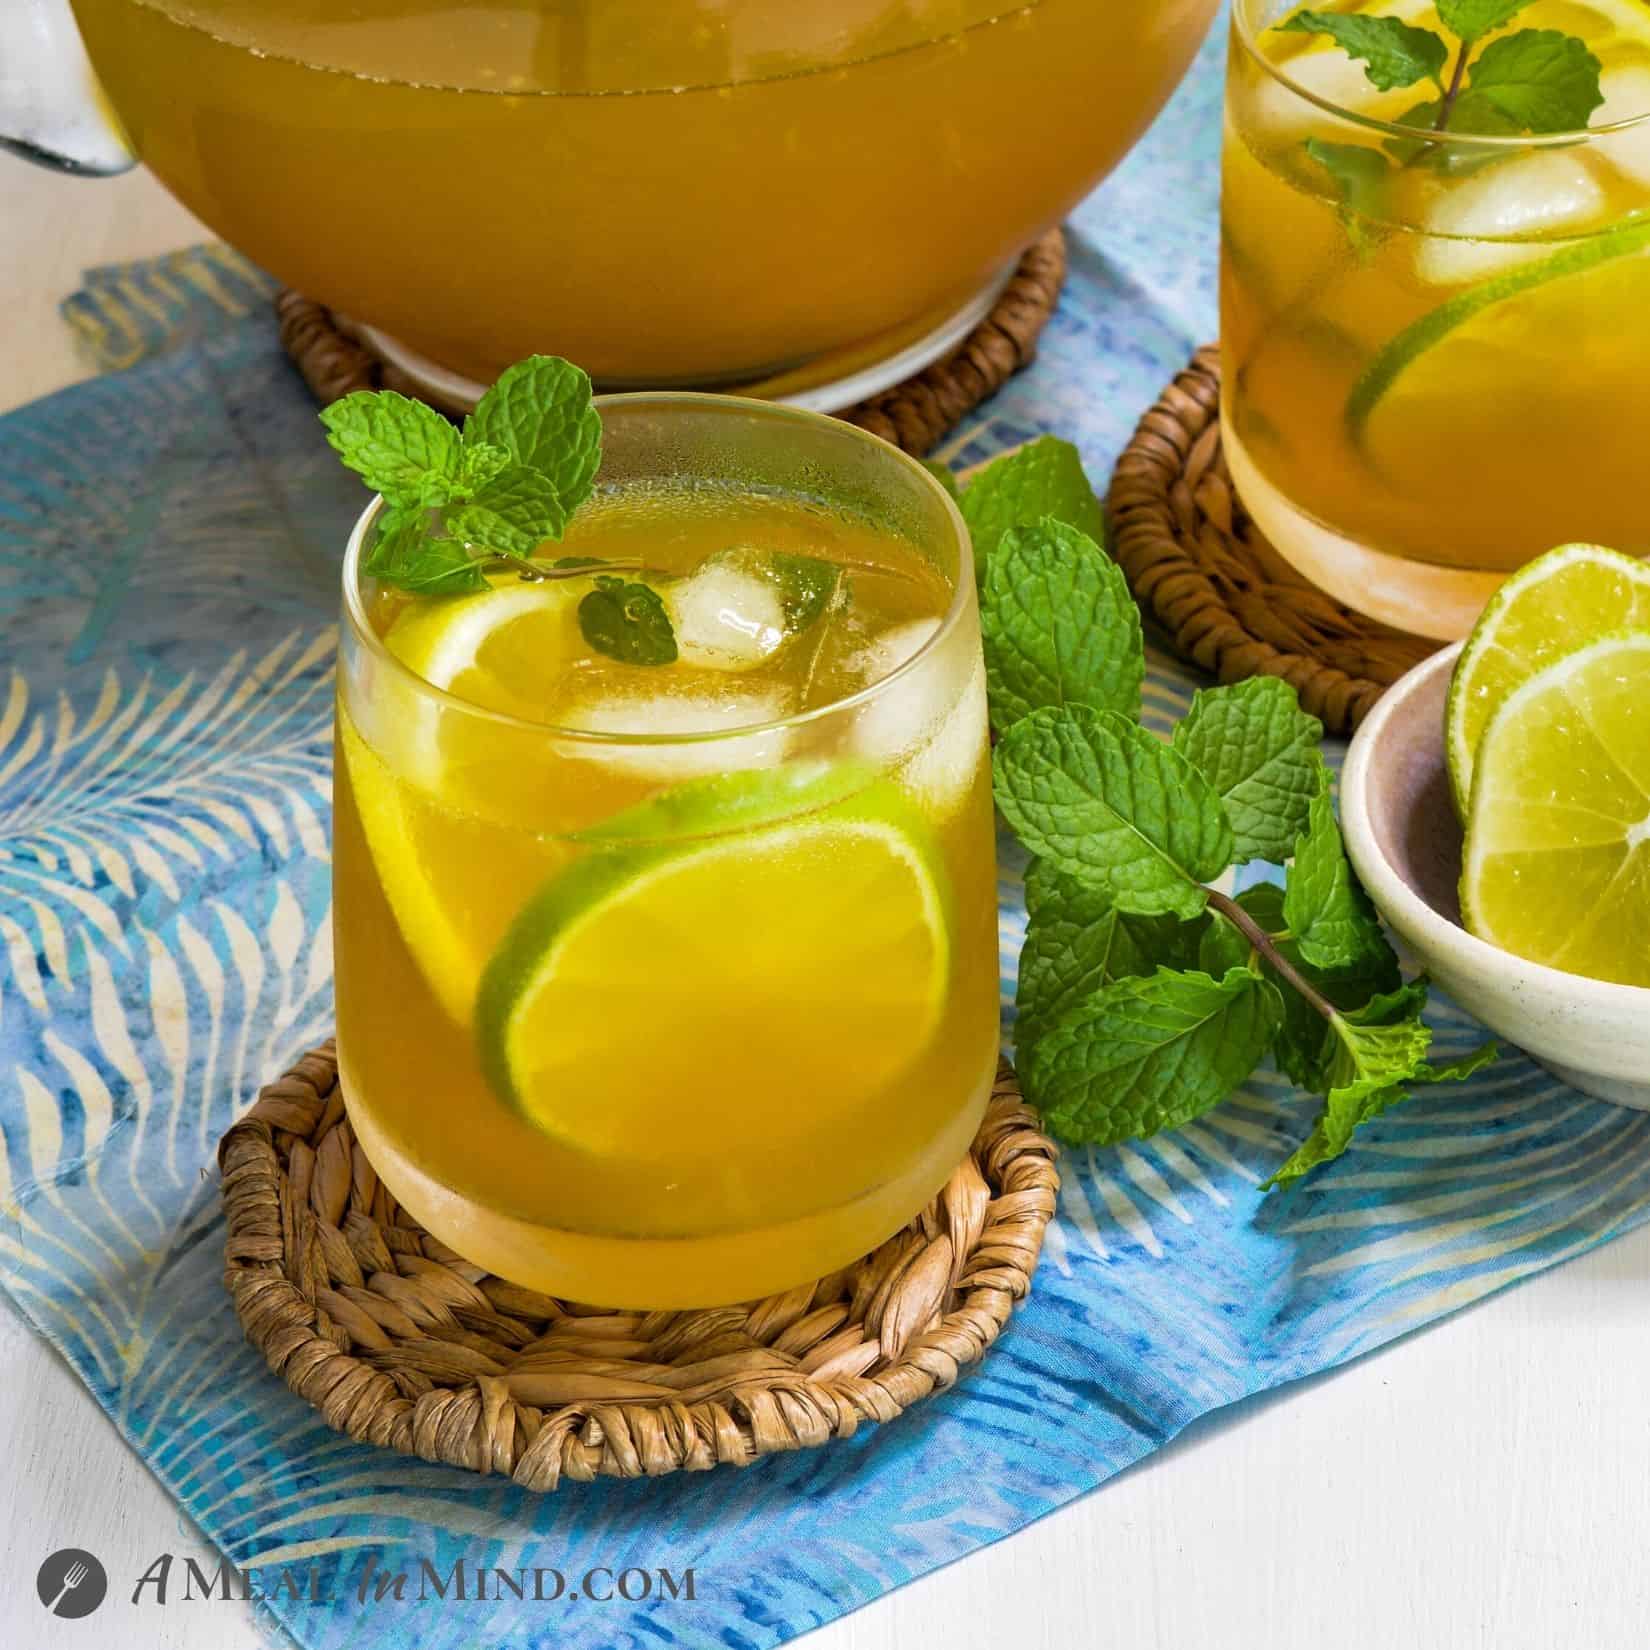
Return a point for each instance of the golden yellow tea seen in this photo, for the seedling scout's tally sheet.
(663, 190)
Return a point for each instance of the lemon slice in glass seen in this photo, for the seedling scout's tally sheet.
(1540, 614)
(1557, 864)
(453, 849)
(823, 938)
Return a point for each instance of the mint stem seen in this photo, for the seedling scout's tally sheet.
(1263, 943)
(1453, 90)
(534, 571)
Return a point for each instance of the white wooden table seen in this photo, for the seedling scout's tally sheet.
(1486, 1483)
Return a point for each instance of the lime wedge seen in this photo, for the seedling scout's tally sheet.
(1417, 348)
(1537, 616)
(1557, 865)
(805, 960)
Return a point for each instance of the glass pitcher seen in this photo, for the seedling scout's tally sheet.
(666, 191)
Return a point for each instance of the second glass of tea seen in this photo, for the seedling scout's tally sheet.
(1436, 347)
(675, 983)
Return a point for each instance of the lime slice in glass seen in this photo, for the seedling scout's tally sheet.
(805, 960)
(1492, 322)
(1540, 614)
(1557, 865)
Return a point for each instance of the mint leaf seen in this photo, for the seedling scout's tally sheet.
(1370, 1072)
(1259, 750)
(1393, 53)
(1471, 20)
(1043, 478)
(396, 527)
(1264, 902)
(1113, 807)
(1541, 80)
(1329, 914)
(1078, 942)
(1221, 947)
(1306, 1042)
(1304, 1037)
(398, 446)
(516, 511)
(540, 413)
(1360, 177)
(628, 622)
(1360, 174)
(480, 461)
(1148, 1054)
(806, 586)
(433, 566)
(1059, 624)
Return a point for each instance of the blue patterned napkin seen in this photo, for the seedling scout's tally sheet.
(169, 544)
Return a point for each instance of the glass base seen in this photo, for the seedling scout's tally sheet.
(1442, 603)
(663, 1273)
(829, 384)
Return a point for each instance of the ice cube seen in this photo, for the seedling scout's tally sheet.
(1470, 230)
(620, 706)
(726, 618)
(1626, 95)
(935, 737)
(1275, 110)
(738, 607)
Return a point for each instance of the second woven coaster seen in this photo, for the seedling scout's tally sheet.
(913, 415)
(399, 1341)
(1228, 600)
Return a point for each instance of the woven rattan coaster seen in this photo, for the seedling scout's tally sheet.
(913, 415)
(398, 1341)
(1228, 600)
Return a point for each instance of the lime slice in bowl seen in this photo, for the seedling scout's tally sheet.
(1557, 861)
(806, 960)
(1539, 615)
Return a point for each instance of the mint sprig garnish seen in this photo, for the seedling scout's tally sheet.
(1535, 81)
(462, 503)
(1146, 995)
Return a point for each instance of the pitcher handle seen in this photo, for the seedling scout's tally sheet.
(52, 109)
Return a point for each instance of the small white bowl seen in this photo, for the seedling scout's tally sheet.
(1404, 840)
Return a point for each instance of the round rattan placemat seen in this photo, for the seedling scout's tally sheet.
(1228, 600)
(913, 415)
(398, 1341)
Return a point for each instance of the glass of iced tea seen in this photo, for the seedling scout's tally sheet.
(1437, 342)
(672, 984)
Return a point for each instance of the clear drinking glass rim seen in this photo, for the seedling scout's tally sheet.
(961, 595)
(1246, 34)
